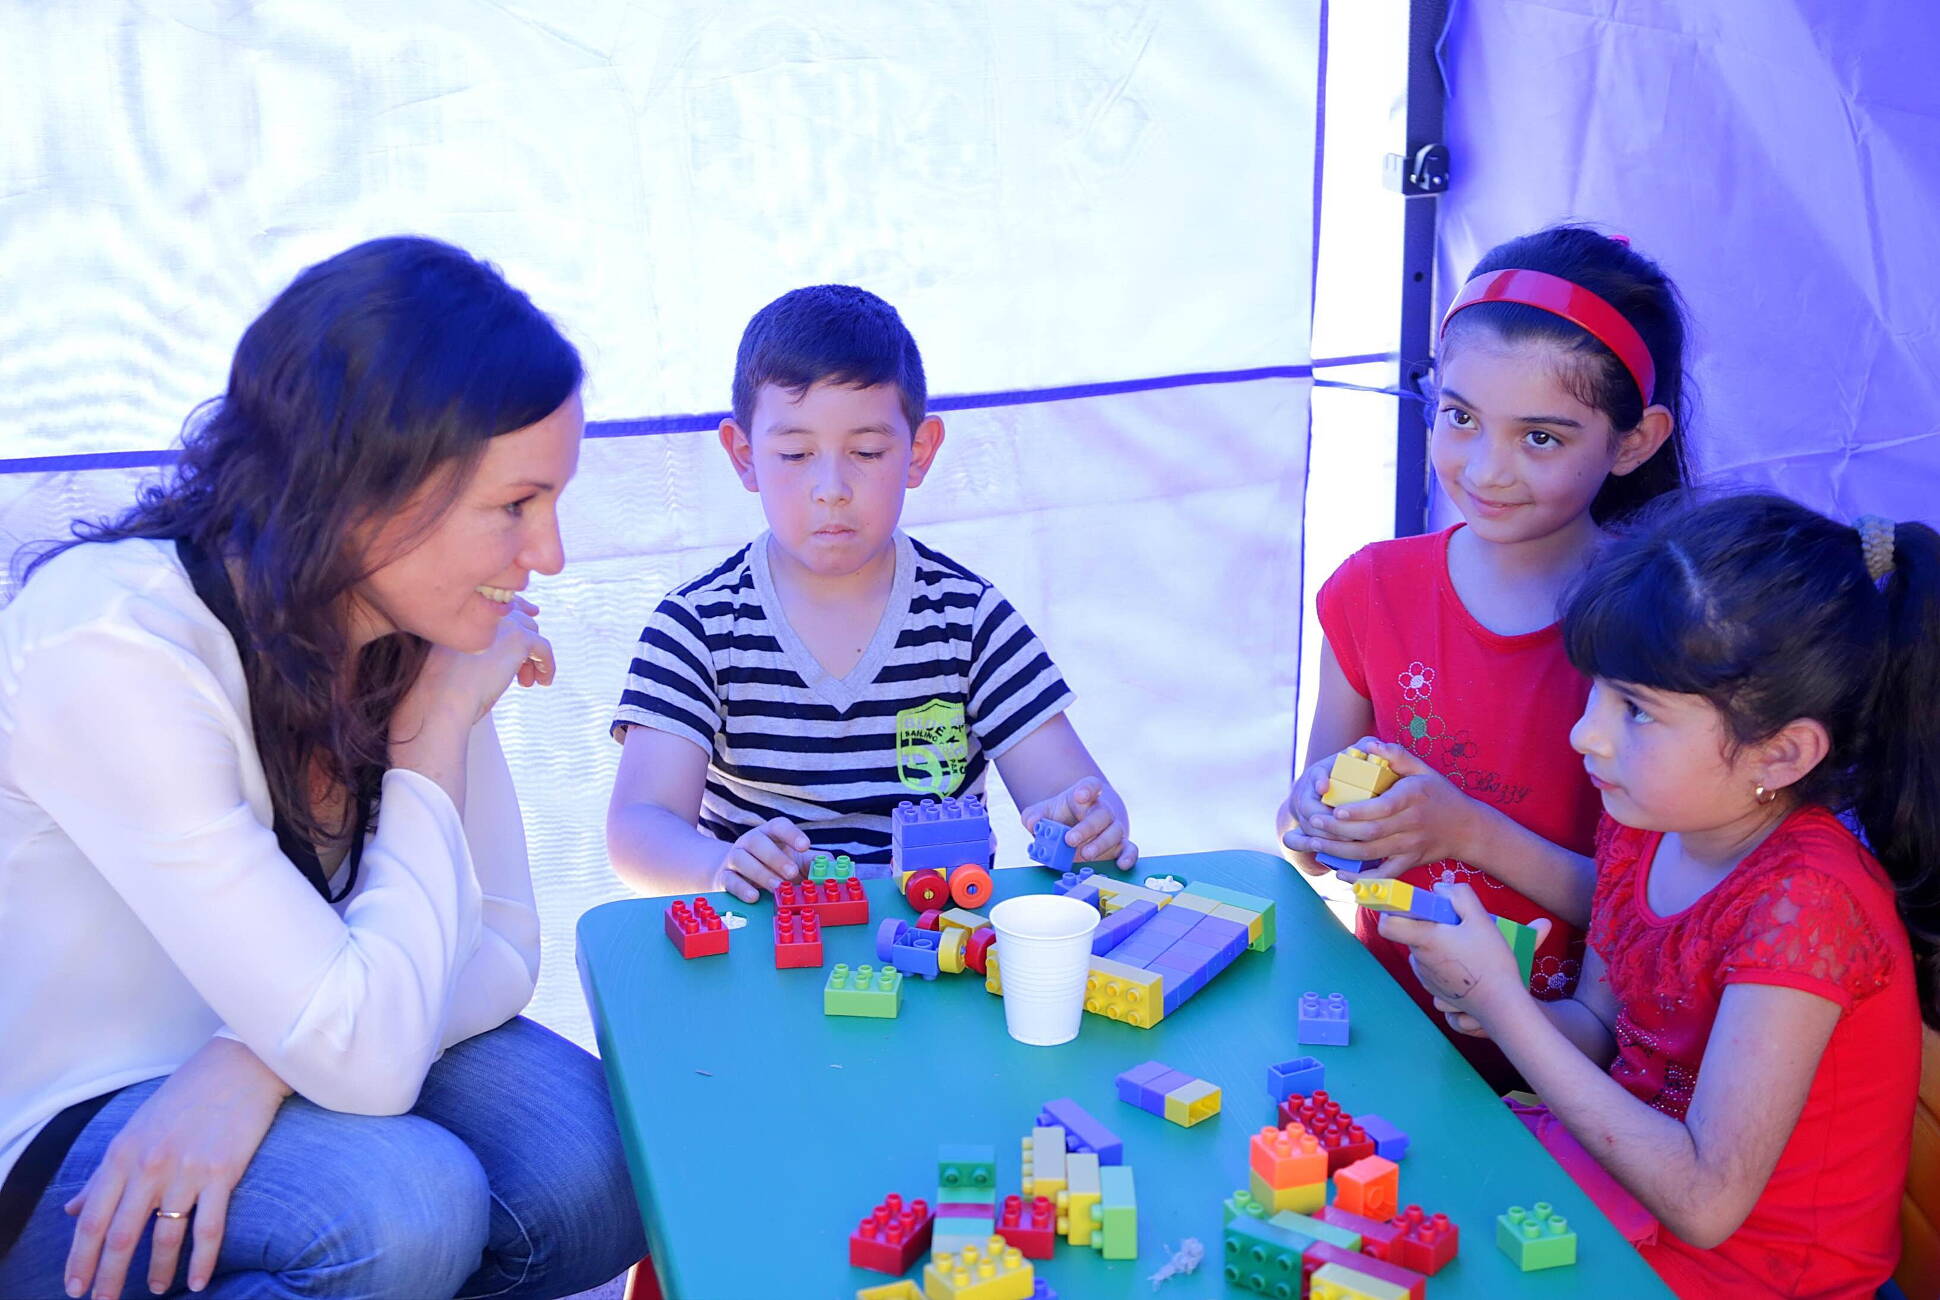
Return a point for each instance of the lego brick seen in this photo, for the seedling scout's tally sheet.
(1262, 1258)
(993, 980)
(1191, 1102)
(1412, 1284)
(865, 991)
(1117, 1213)
(1255, 922)
(1080, 887)
(1304, 1198)
(1286, 1157)
(824, 867)
(1344, 1140)
(1390, 1143)
(1043, 1162)
(1079, 1197)
(1242, 1203)
(1082, 1132)
(1377, 1235)
(924, 890)
(977, 952)
(951, 945)
(798, 939)
(1029, 1226)
(1238, 898)
(900, 1289)
(1355, 776)
(1116, 893)
(991, 1271)
(1336, 1282)
(1370, 1186)
(967, 1168)
(934, 821)
(834, 902)
(908, 949)
(1307, 1226)
(949, 1243)
(1522, 942)
(1401, 897)
(1042, 1290)
(1334, 862)
(1426, 1242)
(1322, 1020)
(695, 929)
(1048, 848)
(1221, 934)
(1535, 1238)
(1145, 1086)
(1118, 927)
(945, 857)
(1189, 901)
(1301, 1074)
(962, 918)
(1124, 993)
(893, 1236)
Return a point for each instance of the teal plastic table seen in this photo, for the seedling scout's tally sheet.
(759, 1131)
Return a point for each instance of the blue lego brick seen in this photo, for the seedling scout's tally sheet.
(1221, 935)
(1303, 1074)
(945, 857)
(1427, 905)
(949, 821)
(1145, 1086)
(1140, 949)
(1080, 886)
(1118, 927)
(1082, 1132)
(908, 949)
(1334, 862)
(1174, 921)
(1048, 847)
(1323, 1020)
(1390, 1143)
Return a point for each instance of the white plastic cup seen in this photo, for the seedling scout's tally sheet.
(1044, 950)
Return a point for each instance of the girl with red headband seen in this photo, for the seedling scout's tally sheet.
(1558, 411)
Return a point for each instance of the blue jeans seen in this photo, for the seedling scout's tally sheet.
(507, 1180)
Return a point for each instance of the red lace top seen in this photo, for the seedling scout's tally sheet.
(1809, 909)
(1492, 713)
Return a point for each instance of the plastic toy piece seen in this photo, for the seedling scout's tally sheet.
(908, 949)
(950, 946)
(1118, 927)
(695, 930)
(1287, 1169)
(1335, 1282)
(991, 1271)
(1401, 897)
(970, 886)
(798, 939)
(1316, 1230)
(977, 951)
(1301, 1074)
(1168, 1093)
(865, 992)
(834, 902)
(1323, 1020)
(1082, 1132)
(993, 980)
(1263, 1257)
(967, 1167)
(1334, 862)
(1032, 1228)
(1079, 1198)
(1339, 1133)
(1242, 1204)
(824, 867)
(1048, 848)
(1043, 1162)
(1370, 1187)
(1041, 1290)
(893, 1236)
(930, 920)
(733, 920)
(1535, 1238)
(1321, 1253)
(1124, 993)
(1522, 942)
(962, 918)
(926, 890)
(1117, 1213)
(947, 821)
(1187, 1105)
(900, 1289)
(1377, 1236)
(1426, 1243)
(1167, 884)
(1390, 1143)
(1356, 776)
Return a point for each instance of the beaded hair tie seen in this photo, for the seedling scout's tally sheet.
(1876, 543)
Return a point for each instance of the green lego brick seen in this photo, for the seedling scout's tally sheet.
(1293, 1221)
(865, 991)
(1117, 1213)
(1264, 1259)
(1241, 1203)
(824, 867)
(967, 1171)
(1535, 1238)
(1522, 942)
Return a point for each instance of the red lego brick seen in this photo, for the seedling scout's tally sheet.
(1344, 1140)
(798, 938)
(976, 953)
(892, 1236)
(1032, 1228)
(1377, 1237)
(1427, 1242)
(834, 902)
(695, 931)
(1325, 1252)
(1370, 1186)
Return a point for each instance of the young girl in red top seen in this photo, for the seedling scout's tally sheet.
(1561, 397)
(1742, 1052)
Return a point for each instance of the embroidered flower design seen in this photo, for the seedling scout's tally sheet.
(1416, 681)
(1553, 977)
(1462, 746)
(1456, 872)
(1419, 732)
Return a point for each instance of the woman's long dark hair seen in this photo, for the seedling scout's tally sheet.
(1767, 610)
(374, 371)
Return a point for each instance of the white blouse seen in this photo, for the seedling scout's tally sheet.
(145, 905)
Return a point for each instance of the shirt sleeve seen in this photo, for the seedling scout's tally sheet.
(1805, 930)
(670, 685)
(1014, 686)
(350, 1010)
(1341, 608)
(497, 983)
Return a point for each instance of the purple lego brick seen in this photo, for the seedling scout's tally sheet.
(945, 857)
(1082, 1132)
(1427, 905)
(1145, 1086)
(1048, 847)
(1335, 863)
(950, 821)
(1221, 934)
(1118, 927)
(1390, 1143)
(1140, 949)
(1323, 1020)
(1303, 1074)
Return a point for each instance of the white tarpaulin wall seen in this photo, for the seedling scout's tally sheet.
(1782, 159)
(1053, 196)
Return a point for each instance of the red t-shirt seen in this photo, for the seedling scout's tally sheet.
(1492, 713)
(1808, 909)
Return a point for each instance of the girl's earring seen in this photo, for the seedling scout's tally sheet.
(1762, 795)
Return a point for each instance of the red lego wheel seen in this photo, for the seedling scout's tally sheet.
(930, 920)
(975, 952)
(970, 886)
(926, 890)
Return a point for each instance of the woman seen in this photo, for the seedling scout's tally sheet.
(265, 915)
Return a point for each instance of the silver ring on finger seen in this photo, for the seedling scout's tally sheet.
(171, 1214)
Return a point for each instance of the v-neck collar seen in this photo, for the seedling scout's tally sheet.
(840, 693)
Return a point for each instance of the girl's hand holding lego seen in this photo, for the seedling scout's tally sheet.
(1467, 967)
(1099, 826)
(1421, 818)
(763, 858)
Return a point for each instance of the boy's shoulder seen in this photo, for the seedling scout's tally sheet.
(733, 574)
(933, 566)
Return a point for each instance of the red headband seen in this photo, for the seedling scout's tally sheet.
(1575, 304)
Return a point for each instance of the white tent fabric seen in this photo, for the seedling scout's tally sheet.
(1048, 193)
(1782, 160)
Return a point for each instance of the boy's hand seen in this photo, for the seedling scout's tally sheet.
(1098, 828)
(1421, 818)
(763, 858)
(1467, 967)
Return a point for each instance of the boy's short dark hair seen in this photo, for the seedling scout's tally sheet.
(832, 332)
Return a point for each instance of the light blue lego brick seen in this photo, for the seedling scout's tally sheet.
(1390, 1143)
(1322, 1020)
(1303, 1074)
(1120, 925)
(1251, 902)
(947, 821)
(1048, 847)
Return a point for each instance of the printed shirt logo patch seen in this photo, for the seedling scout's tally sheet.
(932, 748)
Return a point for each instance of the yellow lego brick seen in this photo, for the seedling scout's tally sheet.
(1043, 1162)
(1079, 1198)
(992, 1271)
(1191, 1102)
(1197, 902)
(1306, 1199)
(1114, 894)
(992, 982)
(901, 1289)
(1125, 993)
(1384, 895)
(1339, 1282)
(962, 918)
(1356, 776)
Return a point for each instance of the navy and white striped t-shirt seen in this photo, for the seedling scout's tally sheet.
(952, 679)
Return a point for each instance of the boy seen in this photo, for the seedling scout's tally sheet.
(790, 698)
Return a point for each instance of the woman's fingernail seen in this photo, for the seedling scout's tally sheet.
(74, 1287)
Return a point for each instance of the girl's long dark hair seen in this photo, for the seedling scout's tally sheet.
(376, 372)
(1766, 609)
